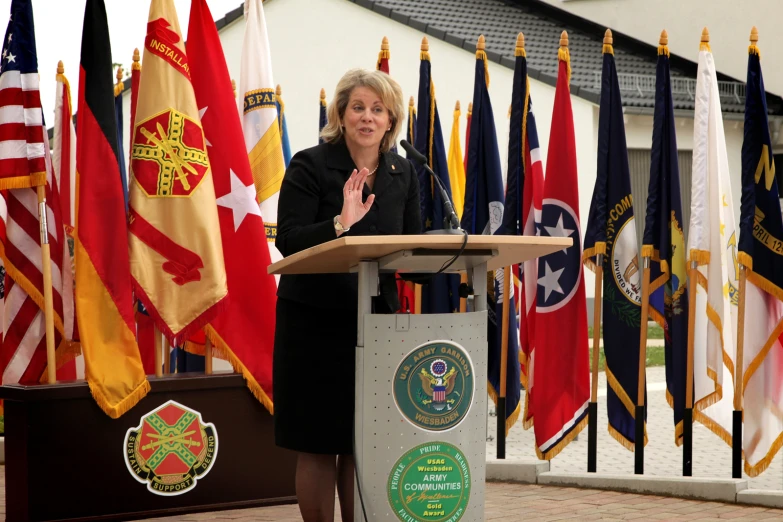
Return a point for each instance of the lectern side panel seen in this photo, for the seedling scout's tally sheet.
(424, 409)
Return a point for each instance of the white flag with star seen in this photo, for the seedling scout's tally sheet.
(712, 243)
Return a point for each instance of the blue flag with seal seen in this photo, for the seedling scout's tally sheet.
(664, 243)
(760, 252)
(612, 233)
(283, 125)
(440, 295)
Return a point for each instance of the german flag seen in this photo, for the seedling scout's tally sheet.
(104, 299)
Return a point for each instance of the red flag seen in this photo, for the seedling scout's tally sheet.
(561, 373)
(244, 333)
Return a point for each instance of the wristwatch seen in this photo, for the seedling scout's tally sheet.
(338, 227)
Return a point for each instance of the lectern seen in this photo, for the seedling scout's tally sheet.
(421, 402)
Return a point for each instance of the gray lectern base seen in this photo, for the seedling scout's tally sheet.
(387, 435)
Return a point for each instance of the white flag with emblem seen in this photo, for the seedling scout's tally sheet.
(712, 243)
(259, 119)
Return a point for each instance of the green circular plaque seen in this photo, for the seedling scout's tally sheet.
(430, 483)
(433, 385)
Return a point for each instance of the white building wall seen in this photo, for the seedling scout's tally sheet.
(728, 21)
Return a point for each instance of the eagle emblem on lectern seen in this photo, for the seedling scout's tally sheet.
(434, 385)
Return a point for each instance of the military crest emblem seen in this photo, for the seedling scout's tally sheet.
(171, 449)
(433, 385)
(169, 155)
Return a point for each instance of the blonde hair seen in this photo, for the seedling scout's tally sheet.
(379, 82)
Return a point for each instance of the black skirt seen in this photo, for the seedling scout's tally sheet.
(314, 378)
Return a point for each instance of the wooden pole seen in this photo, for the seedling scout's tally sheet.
(166, 357)
(739, 373)
(640, 407)
(463, 302)
(592, 414)
(208, 357)
(687, 422)
(501, 407)
(46, 269)
(158, 354)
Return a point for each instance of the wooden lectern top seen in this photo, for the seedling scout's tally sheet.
(417, 253)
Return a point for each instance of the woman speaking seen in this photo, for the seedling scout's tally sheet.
(353, 184)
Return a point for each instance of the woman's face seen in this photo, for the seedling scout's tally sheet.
(366, 119)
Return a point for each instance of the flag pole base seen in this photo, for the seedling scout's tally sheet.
(736, 445)
(592, 436)
(639, 441)
(687, 443)
(501, 416)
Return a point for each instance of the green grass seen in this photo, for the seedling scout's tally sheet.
(655, 357)
(654, 331)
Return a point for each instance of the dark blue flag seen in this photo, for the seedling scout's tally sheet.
(611, 232)
(440, 295)
(761, 253)
(512, 224)
(283, 126)
(321, 115)
(664, 243)
(120, 149)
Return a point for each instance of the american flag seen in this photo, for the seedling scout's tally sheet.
(25, 162)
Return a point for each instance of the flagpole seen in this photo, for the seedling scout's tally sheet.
(687, 421)
(158, 354)
(640, 406)
(208, 356)
(46, 269)
(501, 406)
(736, 435)
(166, 357)
(592, 414)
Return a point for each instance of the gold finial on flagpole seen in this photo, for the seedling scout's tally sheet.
(754, 35)
(481, 44)
(278, 90)
(323, 94)
(470, 107)
(385, 44)
(61, 69)
(425, 45)
(564, 40)
(608, 40)
(456, 106)
(664, 40)
(520, 47)
(119, 86)
(411, 103)
(705, 35)
(136, 60)
(119, 74)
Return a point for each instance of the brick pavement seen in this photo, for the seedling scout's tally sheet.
(711, 455)
(517, 502)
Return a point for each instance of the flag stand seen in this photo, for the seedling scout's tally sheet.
(592, 413)
(46, 270)
(640, 406)
(208, 357)
(501, 406)
(158, 354)
(736, 432)
(687, 421)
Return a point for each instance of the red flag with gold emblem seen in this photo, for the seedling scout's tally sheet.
(175, 243)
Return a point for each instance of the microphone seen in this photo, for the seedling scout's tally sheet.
(451, 216)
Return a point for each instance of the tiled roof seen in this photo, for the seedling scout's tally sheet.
(460, 22)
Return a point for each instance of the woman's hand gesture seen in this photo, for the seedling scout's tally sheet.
(353, 208)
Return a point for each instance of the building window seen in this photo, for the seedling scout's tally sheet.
(639, 163)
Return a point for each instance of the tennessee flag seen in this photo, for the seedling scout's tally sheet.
(175, 245)
(561, 370)
(259, 119)
(244, 333)
(103, 286)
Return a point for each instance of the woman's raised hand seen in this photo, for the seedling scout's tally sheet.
(353, 208)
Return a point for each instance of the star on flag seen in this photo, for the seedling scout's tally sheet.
(241, 200)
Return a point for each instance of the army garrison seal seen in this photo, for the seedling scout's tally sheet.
(170, 449)
(433, 385)
(430, 483)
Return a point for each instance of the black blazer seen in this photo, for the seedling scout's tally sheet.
(312, 195)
